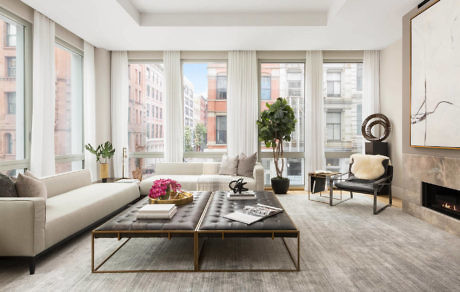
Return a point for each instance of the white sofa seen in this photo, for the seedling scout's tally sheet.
(201, 177)
(30, 226)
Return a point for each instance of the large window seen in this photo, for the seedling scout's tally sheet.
(285, 80)
(68, 126)
(12, 93)
(343, 111)
(145, 118)
(205, 110)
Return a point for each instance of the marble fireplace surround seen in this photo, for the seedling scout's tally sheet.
(443, 171)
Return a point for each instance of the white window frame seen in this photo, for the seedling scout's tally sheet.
(147, 154)
(23, 163)
(287, 155)
(74, 157)
(216, 155)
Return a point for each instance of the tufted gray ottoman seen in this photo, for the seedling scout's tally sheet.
(201, 219)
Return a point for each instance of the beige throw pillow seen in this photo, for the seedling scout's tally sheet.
(246, 165)
(229, 165)
(27, 186)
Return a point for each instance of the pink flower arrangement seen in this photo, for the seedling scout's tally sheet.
(163, 188)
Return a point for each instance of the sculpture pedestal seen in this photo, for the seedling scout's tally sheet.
(377, 148)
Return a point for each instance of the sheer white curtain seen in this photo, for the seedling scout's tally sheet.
(120, 105)
(89, 107)
(242, 103)
(174, 108)
(371, 83)
(42, 162)
(314, 114)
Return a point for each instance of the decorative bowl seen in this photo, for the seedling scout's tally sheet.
(182, 198)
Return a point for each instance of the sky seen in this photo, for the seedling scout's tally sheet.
(197, 73)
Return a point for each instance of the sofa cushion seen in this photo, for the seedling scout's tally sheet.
(178, 168)
(65, 182)
(246, 164)
(229, 165)
(7, 188)
(28, 186)
(211, 167)
(72, 211)
(188, 182)
(220, 182)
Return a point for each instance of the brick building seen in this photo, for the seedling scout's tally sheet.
(217, 107)
(8, 103)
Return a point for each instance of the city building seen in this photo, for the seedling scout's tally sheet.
(217, 107)
(343, 90)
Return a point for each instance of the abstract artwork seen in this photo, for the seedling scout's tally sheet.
(435, 76)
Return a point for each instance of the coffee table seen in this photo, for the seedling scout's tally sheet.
(213, 224)
(201, 219)
(125, 225)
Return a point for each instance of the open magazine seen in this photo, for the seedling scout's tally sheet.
(251, 214)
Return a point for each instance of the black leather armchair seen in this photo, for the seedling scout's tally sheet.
(379, 186)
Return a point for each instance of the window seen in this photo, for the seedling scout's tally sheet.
(333, 126)
(333, 84)
(205, 109)
(285, 80)
(221, 129)
(11, 101)
(359, 76)
(265, 87)
(343, 116)
(10, 35)
(145, 147)
(11, 66)
(359, 118)
(221, 87)
(13, 85)
(68, 127)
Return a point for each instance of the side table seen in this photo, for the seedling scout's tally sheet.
(318, 182)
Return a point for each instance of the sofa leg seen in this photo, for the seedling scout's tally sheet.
(32, 265)
(351, 195)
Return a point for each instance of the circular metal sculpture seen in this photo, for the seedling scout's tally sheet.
(373, 120)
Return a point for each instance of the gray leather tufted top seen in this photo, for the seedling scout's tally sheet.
(186, 218)
(220, 206)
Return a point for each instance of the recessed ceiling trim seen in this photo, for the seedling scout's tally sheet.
(131, 10)
(234, 19)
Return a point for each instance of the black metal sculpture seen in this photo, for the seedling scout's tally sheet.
(374, 120)
(237, 186)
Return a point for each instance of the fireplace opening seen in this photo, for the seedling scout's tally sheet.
(441, 199)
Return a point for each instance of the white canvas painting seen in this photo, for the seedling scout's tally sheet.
(435, 76)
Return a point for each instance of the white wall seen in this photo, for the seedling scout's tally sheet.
(103, 122)
(391, 105)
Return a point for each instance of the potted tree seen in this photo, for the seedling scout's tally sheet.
(103, 153)
(275, 125)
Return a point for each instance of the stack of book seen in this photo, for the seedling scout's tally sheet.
(157, 211)
(248, 195)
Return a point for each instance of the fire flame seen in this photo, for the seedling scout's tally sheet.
(450, 206)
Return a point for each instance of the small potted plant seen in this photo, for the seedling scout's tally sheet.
(275, 125)
(103, 153)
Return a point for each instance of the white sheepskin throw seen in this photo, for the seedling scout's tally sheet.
(367, 166)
